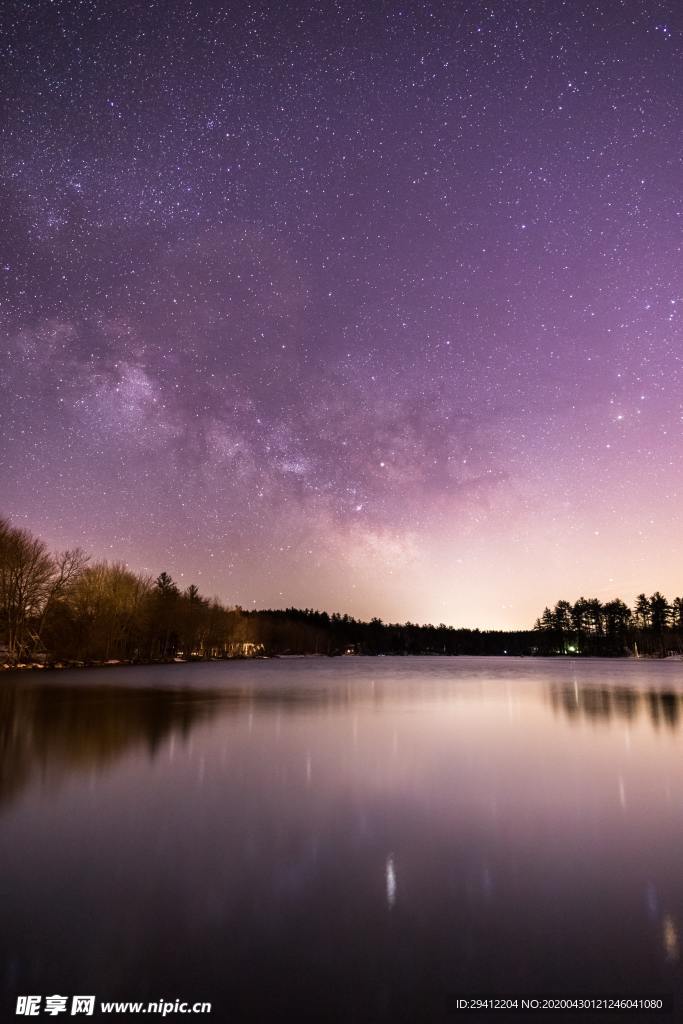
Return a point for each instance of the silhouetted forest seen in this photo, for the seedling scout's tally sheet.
(65, 609)
(654, 627)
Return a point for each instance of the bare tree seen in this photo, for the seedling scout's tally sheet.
(107, 601)
(68, 567)
(27, 571)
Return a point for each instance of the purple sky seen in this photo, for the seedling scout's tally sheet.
(370, 307)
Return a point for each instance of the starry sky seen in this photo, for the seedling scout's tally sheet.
(366, 307)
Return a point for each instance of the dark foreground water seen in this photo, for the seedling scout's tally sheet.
(342, 840)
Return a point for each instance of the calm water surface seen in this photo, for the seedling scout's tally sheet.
(342, 839)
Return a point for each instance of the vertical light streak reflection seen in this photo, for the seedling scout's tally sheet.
(391, 882)
(670, 938)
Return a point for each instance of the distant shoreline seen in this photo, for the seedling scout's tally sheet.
(26, 668)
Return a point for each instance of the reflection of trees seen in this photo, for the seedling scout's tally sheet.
(48, 729)
(596, 703)
(53, 729)
(665, 707)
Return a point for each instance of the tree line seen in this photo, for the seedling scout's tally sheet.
(64, 608)
(654, 626)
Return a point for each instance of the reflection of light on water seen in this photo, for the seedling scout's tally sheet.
(309, 768)
(670, 938)
(391, 882)
(622, 792)
(513, 709)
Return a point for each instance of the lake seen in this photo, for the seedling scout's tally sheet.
(351, 839)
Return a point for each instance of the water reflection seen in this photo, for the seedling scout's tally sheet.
(342, 841)
(390, 872)
(53, 729)
(603, 704)
(670, 938)
(49, 728)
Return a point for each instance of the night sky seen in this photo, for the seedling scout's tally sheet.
(368, 307)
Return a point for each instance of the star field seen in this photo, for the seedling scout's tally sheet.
(366, 307)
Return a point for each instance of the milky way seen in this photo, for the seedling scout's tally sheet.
(369, 307)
